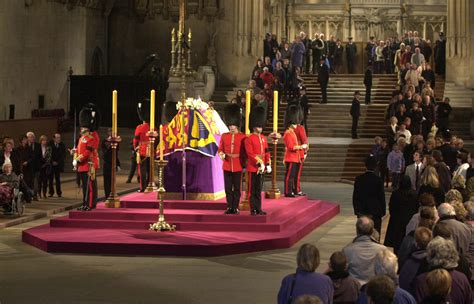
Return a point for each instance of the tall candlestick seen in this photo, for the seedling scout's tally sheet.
(162, 144)
(275, 111)
(247, 112)
(114, 113)
(152, 111)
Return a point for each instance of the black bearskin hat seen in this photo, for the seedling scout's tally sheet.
(232, 116)
(89, 117)
(169, 111)
(143, 110)
(292, 115)
(257, 117)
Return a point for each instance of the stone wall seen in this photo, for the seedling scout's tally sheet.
(39, 41)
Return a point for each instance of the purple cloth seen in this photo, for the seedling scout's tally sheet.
(307, 283)
(297, 52)
(395, 162)
(461, 292)
(203, 174)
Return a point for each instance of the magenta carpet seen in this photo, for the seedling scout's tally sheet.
(202, 228)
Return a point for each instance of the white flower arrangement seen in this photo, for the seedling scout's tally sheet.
(192, 103)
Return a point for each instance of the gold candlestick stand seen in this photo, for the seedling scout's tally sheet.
(274, 192)
(152, 134)
(161, 224)
(113, 201)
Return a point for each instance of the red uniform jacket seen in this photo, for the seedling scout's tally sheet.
(141, 139)
(302, 139)
(292, 147)
(232, 145)
(87, 150)
(256, 148)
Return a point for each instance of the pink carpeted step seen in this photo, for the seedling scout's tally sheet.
(280, 214)
(179, 243)
(274, 209)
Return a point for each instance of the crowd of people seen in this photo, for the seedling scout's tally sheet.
(435, 267)
(32, 166)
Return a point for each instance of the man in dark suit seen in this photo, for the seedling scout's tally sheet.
(368, 83)
(323, 79)
(351, 53)
(355, 113)
(369, 197)
(33, 165)
(58, 154)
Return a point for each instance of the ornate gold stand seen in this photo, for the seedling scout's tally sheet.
(244, 202)
(113, 201)
(274, 192)
(161, 224)
(151, 175)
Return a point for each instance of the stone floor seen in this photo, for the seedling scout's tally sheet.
(29, 275)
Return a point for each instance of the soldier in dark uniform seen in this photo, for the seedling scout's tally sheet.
(232, 152)
(86, 156)
(323, 79)
(440, 55)
(106, 147)
(369, 48)
(351, 53)
(368, 84)
(258, 159)
(317, 47)
(355, 113)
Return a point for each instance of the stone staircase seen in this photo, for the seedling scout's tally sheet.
(461, 100)
(341, 88)
(333, 155)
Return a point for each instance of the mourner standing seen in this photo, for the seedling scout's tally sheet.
(323, 79)
(58, 155)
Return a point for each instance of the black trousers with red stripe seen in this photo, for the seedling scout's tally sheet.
(255, 191)
(298, 177)
(232, 184)
(89, 191)
(144, 170)
(291, 178)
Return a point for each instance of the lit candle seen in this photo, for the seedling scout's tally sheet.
(275, 111)
(247, 112)
(152, 111)
(114, 113)
(162, 144)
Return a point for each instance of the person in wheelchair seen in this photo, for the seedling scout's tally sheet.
(9, 181)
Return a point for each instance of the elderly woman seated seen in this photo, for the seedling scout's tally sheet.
(8, 181)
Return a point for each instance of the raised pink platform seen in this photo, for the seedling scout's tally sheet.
(202, 228)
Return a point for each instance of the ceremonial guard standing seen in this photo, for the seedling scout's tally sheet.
(301, 134)
(86, 157)
(141, 143)
(258, 159)
(232, 152)
(292, 151)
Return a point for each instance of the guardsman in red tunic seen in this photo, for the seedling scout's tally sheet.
(232, 152)
(258, 159)
(141, 143)
(303, 140)
(293, 147)
(86, 156)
